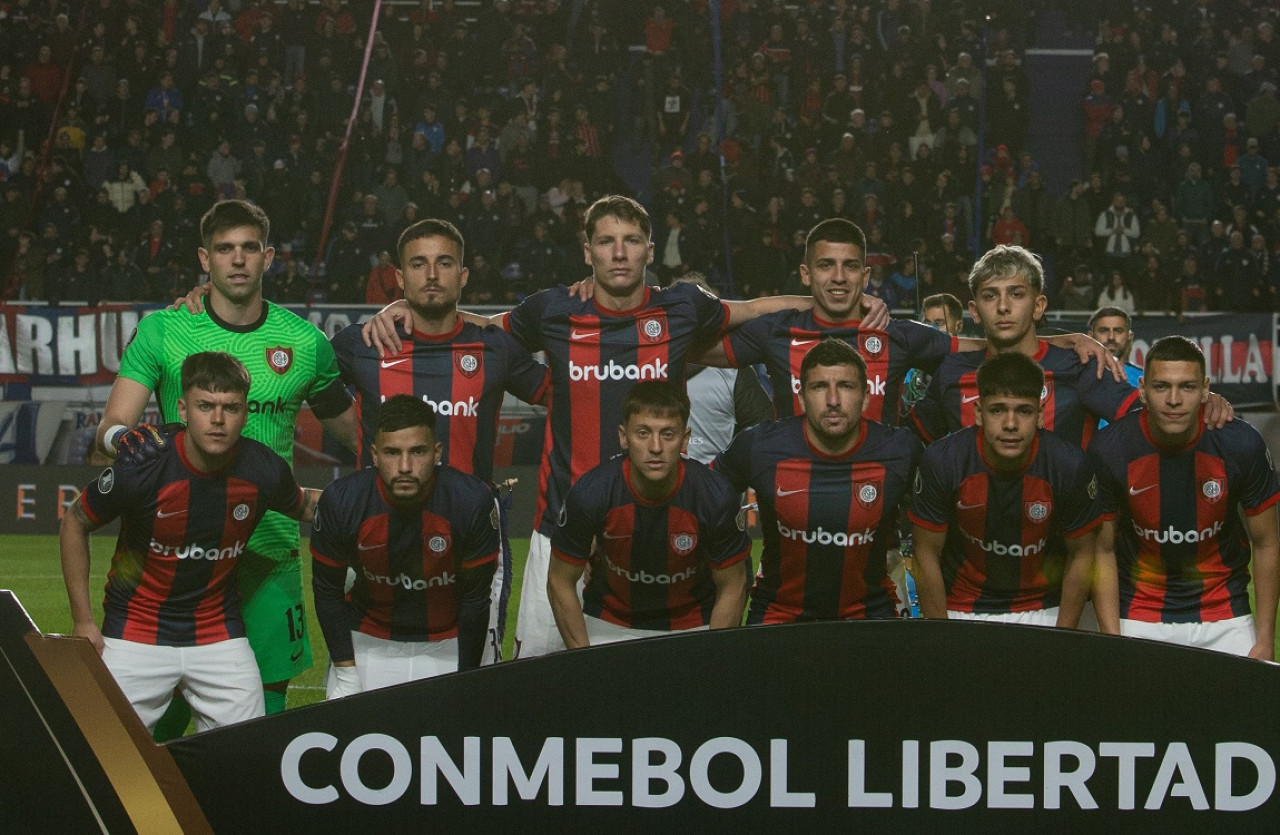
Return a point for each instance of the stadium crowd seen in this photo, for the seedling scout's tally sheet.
(124, 120)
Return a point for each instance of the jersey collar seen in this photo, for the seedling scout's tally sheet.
(227, 326)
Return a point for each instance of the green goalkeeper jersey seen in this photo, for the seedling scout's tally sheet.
(289, 361)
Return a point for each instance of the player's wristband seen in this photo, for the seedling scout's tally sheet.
(110, 438)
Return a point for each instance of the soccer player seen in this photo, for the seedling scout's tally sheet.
(458, 367)
(1004, 517)
(1112, 327)
(289, 361)
(423, 539)
(1183, 504)
(828, 483)
(171, 614)
(659, 531)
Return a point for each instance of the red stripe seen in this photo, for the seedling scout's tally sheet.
(971, 577)
(372, 533)
(792, 477)
(616, 547)
(463, 429)
(156, 583)
(585, 442)
(1049, 405)
(441, 602)
(1215, 599)
(968, 398)
(1033, 585)
(1150, 578)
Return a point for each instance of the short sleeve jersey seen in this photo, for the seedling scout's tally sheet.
(1004, 549)
(595, 356)
(182, 532)
(412, 568)
(1182, 549)
(826, 520)
(780, 341)
(1073, 397)
(461, 374)
(289, 362)
(649, 563)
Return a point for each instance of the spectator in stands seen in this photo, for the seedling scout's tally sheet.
(1117, 228)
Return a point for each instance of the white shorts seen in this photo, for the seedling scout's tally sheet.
(1235, 636)
(1036, 617)
(601, 632)
(383, 663)
(219, 681)
(536, 630)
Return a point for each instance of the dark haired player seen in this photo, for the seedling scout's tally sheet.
(171, 614)
(1183, 505)
(459, 368)
(422, 538)
(659, 531)
(1112, 326)
(828, 484)
(1004, 518)
(289, 361)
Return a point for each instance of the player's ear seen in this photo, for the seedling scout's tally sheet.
(586, 252)
(203, 255)
(622, 436)
(439, 451)
(1142, 389)
(684, 445)
(400, 280)
(182, 409)
(973, 311)
(804, 274)
(463, 275)
(268, 255)
(1042, 304)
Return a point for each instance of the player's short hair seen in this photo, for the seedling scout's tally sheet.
(1105, 312)
(1007, 262)
(1175, 349)
(431, 228)
(215, 371)
(830, 352)
(232, 214)
(617, 206)
(950, 302)
(1011, 374)
(403, 411)
(835, 230)
(661, 397)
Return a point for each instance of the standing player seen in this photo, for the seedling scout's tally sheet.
(1004, 518)
(458, 367)
(1113, 328)
(660, 532)
(422, 538)
(943, 312)
(828, 483)
(171, 615)
(1183, 506)
(289, 361)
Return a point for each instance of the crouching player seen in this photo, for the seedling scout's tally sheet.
(422, 538)
(1004, 515)
(661, 533)
(1184, 504)
(171, 616)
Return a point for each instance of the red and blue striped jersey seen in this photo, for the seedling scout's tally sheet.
(595, 356)
(1073, 397)
(1182, 548)
(826, 520)
(182, 531)
(1004, 549)
(413, 568)
(461, 374)
(649, 561)
(780, 341)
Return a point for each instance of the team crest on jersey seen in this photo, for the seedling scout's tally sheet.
(1212, 490)
(438, 544)
(468, 364)
(106, 481)
(683, 543)
(241, 512)
(873, 345)
(279, 360)
(1044, 393)
(867, 495)
(652, 329)
(1038, 511)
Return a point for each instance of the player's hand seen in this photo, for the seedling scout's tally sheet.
(584, 289)
(343, 681)
(875, 313)
(192, 301)
(144, 442)
(91, 632)
(1217, 411)
(1263, 651)
(382, 332)
(1087, 348)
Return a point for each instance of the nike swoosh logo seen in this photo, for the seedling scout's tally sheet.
(370, 547)
(967, 506)
(160, 515)
(969, 399)
(617, 536)
(1133, 492)
(295, 656)
(583, 335)
(800, 343)
(782, 492)
(390, 363)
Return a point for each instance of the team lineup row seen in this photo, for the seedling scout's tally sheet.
(1012, 521)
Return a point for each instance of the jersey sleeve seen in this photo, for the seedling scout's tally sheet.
(328, 397)
(527, 378)
(933, 491)
(577, 526)
(524, 321)
(344, 352)
(1081, 511)
(747, 344)
(1110, 490)
(735, 462)
(281, 490)
(142, 361)
(928, 416)
(110, 494)
(477, 536)
(926, 346)
(331, 548)
(728, 541)
(1261, 489)
(1107, 398)
(711, 313)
